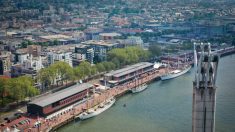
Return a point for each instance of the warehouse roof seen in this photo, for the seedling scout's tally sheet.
(52, 98)
(110, 34)
(129, 69)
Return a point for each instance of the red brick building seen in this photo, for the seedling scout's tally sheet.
(59, 100)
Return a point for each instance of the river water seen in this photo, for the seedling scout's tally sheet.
(165, 107)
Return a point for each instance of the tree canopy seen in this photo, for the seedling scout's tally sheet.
(126, 56)
(3, 89)
(155, 50)
(62, 70)
(17, 89)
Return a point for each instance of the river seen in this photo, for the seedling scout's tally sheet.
(165, 107)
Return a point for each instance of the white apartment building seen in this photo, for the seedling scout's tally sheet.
(21, 57)
(133, 40)
(60, 56)
(33, 63)
(29, 62)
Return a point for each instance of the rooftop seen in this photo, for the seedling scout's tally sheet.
(52, 98)
(100, 42)
(54, 37)
(110, 34)
(81, 46)
(129, 69)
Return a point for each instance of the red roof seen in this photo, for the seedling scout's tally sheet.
(6, 77)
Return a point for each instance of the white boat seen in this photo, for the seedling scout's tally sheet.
(139, 88)
(176, 73)
(96, 111)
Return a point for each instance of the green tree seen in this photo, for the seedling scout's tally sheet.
(83, 70)
(86, 68)
(44, 77)
(70, 75)
(119, 54)
(132, 53)
(64, 70)
(22, 87)
(52, 74)
(93, 70)
(24, 44)
(30, 42)
(47, 76)
(108, 65)
(100, 67)
(55, 42)
(116, 62)
(26, 84)
(3, 89)
(155, 50)
(128, 55)
(78, 73)
(16, 92)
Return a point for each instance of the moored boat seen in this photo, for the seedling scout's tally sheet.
(139, 88)
(176, 73)
(96, 111)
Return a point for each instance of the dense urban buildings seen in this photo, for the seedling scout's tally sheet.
(49, 46)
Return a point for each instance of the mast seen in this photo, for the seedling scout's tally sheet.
(105, 82)
(195, 61)
(178, 60)
(87, 95)
(168, 65)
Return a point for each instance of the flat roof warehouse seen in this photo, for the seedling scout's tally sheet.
(48, 100)
(129, 69)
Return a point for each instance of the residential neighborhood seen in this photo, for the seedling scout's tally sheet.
(49, 45)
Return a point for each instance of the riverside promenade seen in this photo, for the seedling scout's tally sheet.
(95, 99)
(98, 98)
(116, 91)
(45, 125)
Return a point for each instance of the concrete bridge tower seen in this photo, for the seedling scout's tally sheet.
(204, 89)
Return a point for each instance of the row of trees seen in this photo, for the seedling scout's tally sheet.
(126, 56)
(155, 50)
(16, 89)
(116, 59)
(48, 76)
(61, 72)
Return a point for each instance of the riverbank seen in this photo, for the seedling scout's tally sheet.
(69, 115)
(165, 106)
(116, 92)
(156, 76)
(36, 124)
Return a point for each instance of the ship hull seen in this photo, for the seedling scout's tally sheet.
(139, 88)
(96, 112)
(170, 76)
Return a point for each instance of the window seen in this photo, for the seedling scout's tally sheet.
(56, 104)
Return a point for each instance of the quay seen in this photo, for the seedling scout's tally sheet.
(48, 119)
(40, 123)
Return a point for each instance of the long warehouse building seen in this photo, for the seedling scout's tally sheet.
(59, 100)
(128, 73)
